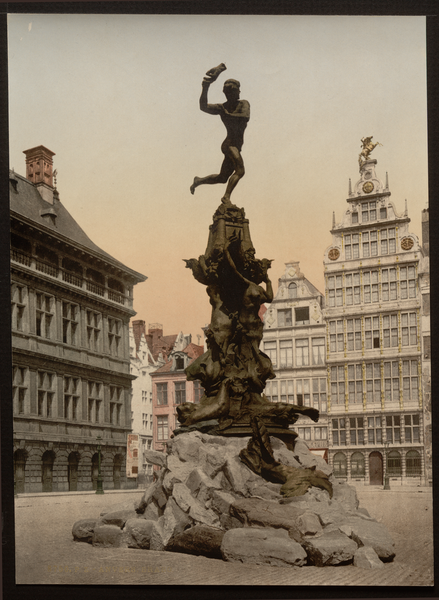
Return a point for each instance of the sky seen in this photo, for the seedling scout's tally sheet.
(116, 98)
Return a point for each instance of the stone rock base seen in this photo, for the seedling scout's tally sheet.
(207, 502)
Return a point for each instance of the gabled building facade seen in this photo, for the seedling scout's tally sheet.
(373, 339)
(294, 339)
(142, 365)
(71, 306)
(170, 388)
(424, 286)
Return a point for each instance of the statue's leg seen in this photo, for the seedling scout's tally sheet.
(227, 169)
(239, 172)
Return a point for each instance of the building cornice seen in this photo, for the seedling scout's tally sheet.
(37, 360)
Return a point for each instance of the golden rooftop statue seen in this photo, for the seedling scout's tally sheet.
(367, 147)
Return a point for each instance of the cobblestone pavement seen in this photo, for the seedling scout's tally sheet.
(46, 553)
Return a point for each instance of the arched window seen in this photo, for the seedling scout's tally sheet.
(394, 463)
(357, 465)
(340, 465)
(292, 290)
(413, 463)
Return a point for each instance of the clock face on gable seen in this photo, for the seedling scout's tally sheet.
(334, 253)
(367, 187)
(407, 243)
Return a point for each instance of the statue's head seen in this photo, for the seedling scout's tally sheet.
(231, 89)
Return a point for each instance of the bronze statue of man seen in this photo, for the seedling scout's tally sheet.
(235, 114)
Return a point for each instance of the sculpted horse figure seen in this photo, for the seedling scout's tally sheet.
(367, 147)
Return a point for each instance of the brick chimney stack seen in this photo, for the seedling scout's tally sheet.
(155, 330)
(39, 170)
(138, 329)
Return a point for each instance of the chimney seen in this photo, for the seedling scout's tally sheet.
(39, 170)
(138, 329)
(155, 330)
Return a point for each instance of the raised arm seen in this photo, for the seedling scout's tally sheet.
(211, 109)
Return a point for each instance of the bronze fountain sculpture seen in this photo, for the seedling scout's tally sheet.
(234, 371)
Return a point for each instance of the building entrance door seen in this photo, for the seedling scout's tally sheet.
(73, 473)
(47, 472)
(19, 472)
(375, 468)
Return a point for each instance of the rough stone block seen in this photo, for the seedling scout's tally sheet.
(221, 501)
(264, 489)
(345, 495)
(282, 454)
(374, 534)
(214, 460)
(200, 540)
(238, 474)
(200, 484)
(202, 515)
(109, 535)
(253, 512)
(157, 533)
(309, 524)
(307, 459)
(331, 548)
(139, 533)
(177, 472)
(175, 521)
(182, 496)
(366, 558)
(118, 518)
(262, 546)
(228, 522)
(155, 457)
(187, 447)
(151, 513)
(159, 497)
(83, 529)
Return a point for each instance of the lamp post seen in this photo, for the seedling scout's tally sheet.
(99, 482)
(386, 472)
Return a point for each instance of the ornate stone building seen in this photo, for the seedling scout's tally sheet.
(373, 339)
(71, 306)
(424, 284)
(294, 339)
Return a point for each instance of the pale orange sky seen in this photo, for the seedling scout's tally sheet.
(116, 98)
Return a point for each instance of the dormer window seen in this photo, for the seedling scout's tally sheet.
(354, 218)
(179, 363)
(383, 213)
